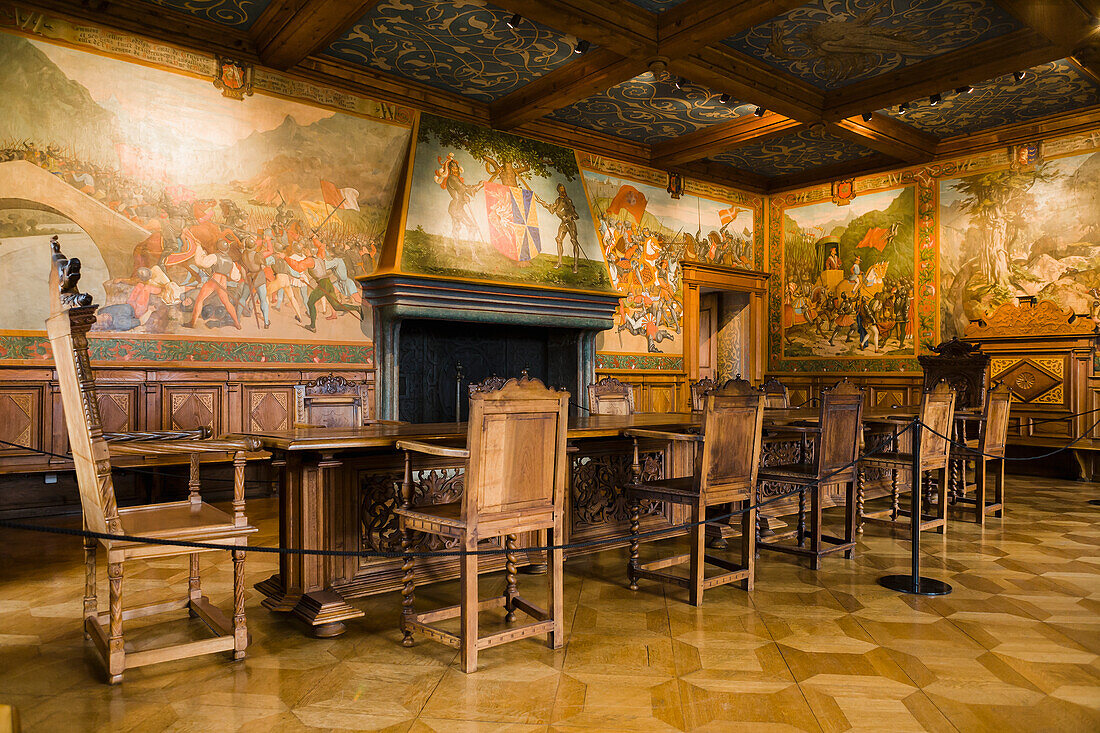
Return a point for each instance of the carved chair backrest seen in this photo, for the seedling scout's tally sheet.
(776, 394)
(330, 401)
(609, 396)
(72, 314)
(994, 430)
(937, 411)
(517, 464)
(841, 426)
(733, 419)
(699, 390)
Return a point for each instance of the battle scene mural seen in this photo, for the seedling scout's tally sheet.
(847, 277)
(486, 205)
(1027, 227)
(196, 216)
(645, 234)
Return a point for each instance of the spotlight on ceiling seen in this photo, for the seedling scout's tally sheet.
(515, 20)
(867, 116)
(1019, 76)
(935, 99)
(680, 83)
(724, 99)
(903, 108)
(964, 89)
(759, 111)
(582, 47)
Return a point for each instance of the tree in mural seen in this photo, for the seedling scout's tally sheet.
(999, 203)
(508, 159)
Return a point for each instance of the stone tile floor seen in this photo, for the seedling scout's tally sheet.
(1014, 647)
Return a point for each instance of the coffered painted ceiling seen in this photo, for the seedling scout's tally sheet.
(762, 94)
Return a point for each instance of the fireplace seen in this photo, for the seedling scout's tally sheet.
(424, 328)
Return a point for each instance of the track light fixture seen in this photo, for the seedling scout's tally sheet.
(903, 108)
(1019, 76)
(935, 99)
(679, 83)
(582, 47)
(867, 116)
(964, 89)
(759, 111)
(515, 20)
(724, 99)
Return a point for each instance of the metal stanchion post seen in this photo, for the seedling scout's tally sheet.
(914, 583)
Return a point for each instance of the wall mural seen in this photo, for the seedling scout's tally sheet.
(486, 205)
(1027, 227)
(833, 43)
(645, 234)
(196, 217)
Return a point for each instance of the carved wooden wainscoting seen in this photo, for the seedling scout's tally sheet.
(653, 391)
(135, 399)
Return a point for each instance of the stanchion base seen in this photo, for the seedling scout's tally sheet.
(1094, 502)
(904, 584)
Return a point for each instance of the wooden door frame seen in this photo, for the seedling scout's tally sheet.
(697, 276)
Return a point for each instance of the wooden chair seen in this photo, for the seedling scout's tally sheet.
(832, 461)
(71, 316)
(699, 389)
(609, 396)
(727, 456)
(988, 446)
(516, 479)
(329, 401)
(937, 411)
(775, 394)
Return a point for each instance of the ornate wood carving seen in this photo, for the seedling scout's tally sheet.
(1044, 318)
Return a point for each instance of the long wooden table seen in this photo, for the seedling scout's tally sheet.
(340, 487)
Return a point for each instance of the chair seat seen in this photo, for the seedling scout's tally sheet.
(179, 520)
(798, 471)
(682, 486)
(893, 458)
(446, 514)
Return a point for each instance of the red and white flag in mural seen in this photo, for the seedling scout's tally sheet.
(727, 216)
(875, 237)
(631, 199)
(339, 198)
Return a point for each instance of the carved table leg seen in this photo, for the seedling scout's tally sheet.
(510, 577)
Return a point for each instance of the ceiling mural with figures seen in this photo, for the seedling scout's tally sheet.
(793, 153)
(466, 47)
(647, 110)
(1048, 89)
(834, 43)
(236, 13)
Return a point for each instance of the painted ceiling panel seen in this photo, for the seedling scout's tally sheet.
(793, 153)
(1046, 90)
(463, 46)
(236, 13)
(646, 110)
(833, 43)
(656, 6)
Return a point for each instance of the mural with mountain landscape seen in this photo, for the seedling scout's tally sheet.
(193, 214)
(847, 277)
(1023, 229)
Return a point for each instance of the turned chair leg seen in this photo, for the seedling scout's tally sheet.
(860, 499)
(555, 588)
(748, 545)
(979, 489)
(468, 608)
(895, 506)
(802, 516)
(815, 527)
(698, 537)
(116, 654)
(408, 587)
(999, 488)
(510, 590)
(635, 543)
(240, 627)
(91, 603)
(941, 498)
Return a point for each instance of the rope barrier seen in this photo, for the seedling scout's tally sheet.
(1056, 451)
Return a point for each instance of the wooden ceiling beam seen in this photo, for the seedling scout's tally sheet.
(594, 72)
(1063, 23)
(588, 141)
(290, 30)
(887, 136)
(720, 138)
(1060, 125)
(863, 166)
(617, 25)
(724, 174)
(725, 70)
(1014, 51)
(699, 23)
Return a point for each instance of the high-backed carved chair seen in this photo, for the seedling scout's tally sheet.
(833, 461)
(937, 409)
(71, 316)
(988, 446)
(516, 479)
(609, 396)
(699, 389)
(775, 393)
(727, 456)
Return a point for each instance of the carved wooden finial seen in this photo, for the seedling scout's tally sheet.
(64, 276)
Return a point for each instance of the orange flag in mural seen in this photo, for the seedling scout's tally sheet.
(875, 237)
(631, 199)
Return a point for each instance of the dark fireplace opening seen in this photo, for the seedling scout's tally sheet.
(430, 351)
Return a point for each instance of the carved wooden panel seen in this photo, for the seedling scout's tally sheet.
(20, 417)
(194, 407)
(268, 410)
(117, 409)
(1037, 380)
(660, 398)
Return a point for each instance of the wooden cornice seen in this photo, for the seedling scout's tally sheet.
(617, 25)
(863, 166)
(1087, 58)
(1014, 51)
(720, 138)
(888, 136)
(590, 74)
(587, 141)
(698, 23)
(1063, 23)
(1060, 125)
(709, 170)
(289, 30)
(725, 70)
